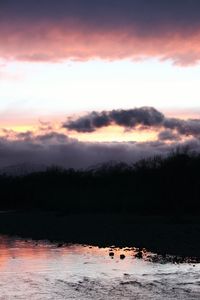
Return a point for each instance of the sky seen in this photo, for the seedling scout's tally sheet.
(85, 82)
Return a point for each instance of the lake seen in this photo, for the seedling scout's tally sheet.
(41, 270)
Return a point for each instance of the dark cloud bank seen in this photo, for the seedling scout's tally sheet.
(58, 149)
(51, 149)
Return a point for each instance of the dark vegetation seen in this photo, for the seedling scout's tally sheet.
(158, 185)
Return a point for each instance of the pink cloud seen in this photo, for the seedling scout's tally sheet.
(51, 30)
(67, 40)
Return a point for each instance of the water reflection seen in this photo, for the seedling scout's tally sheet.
(40, 270)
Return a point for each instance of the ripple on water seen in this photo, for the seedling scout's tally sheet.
(40, 270)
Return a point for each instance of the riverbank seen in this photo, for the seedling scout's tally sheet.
(159, 234)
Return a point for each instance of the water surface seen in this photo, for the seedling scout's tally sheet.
(40, 270)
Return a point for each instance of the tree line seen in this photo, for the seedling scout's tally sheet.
(157, 185)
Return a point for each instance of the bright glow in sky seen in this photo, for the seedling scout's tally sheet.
(116, 133)
(39, 89)
(30, 92)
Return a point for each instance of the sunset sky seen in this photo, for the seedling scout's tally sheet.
(85, 81)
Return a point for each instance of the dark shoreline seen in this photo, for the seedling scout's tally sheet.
(160, 234)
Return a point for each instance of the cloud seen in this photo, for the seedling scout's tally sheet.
(58, 149)
(46, 147)
(184, 127)
(168, 135)
(144, 117)
(51, 30)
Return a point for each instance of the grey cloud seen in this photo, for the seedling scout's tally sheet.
(168, 135)
(24, 135)
(144, 116)
(56, 149)
(184, 127)
(89, 122)
(52, 137)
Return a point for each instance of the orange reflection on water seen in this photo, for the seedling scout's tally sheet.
(28, 255)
